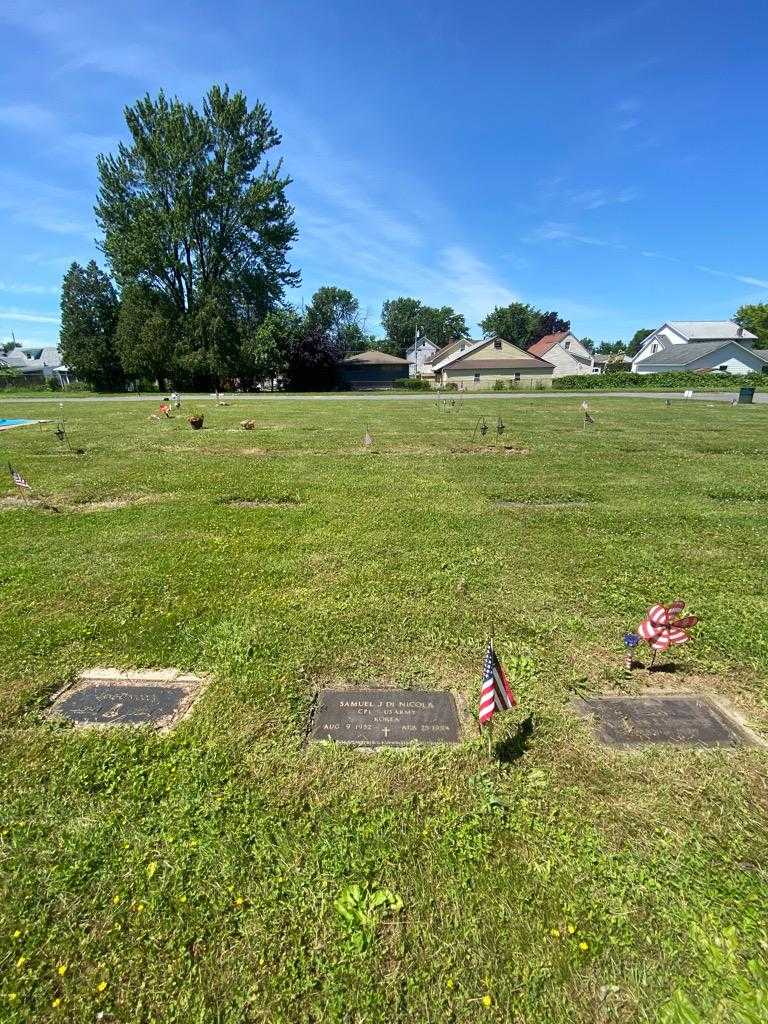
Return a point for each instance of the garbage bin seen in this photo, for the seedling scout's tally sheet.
(746, 395)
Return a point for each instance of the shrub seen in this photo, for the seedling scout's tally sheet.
(452, 386)
(499, 385)
(412, 384)
(672, 381)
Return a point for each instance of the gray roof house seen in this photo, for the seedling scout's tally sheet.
(700, 346)
(37, 364)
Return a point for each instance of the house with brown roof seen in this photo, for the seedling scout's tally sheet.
(477, 365)
(565, 352)
(371, 369)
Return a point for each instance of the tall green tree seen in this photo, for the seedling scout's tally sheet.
(192, 210)
(403, 318)
(334, 313)
(147, 334)
(89, 310)
(637, 340)
(754, 318)
(522, 324)
(271, 344)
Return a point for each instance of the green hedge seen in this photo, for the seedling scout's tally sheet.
(624, 381)
(412, 384)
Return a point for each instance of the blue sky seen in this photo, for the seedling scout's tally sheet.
(604, 159)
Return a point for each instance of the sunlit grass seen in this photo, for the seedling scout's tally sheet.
(198, 876)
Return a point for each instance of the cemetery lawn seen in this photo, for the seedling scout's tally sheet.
(194, 877)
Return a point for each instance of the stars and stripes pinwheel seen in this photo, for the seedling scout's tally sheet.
(662, 628)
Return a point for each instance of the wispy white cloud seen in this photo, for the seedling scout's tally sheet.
(555, 232)
(18, 288)
(27, 318)
(594, 198)
(623, 17)
(757, 282)
(44, 206)
(28, 117)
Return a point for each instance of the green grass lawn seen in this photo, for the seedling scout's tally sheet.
(194, 877)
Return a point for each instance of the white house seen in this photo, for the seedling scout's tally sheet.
(565, 352)
(37, 363)
(420, 356)
(700, 345)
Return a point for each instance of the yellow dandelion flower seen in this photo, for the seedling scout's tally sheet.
(555, 933)
(12, 997)
(583, 946)
(182, 899)
(151, 868)
(101, 986)
(487, 1000)
(17, 934)
(21, 961)
(56, 1002)
(571, 929)
(115, 899)
(139, 908)
(62, 969)
(449, 983)
(239, 901)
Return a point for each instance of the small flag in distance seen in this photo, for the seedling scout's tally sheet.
(367, 440)
(496, 693)
(17, 478)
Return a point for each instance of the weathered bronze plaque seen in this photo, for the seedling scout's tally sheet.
(663, 718)
(111, 697)
(385, 718)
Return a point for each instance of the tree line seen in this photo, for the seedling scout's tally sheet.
(196, 232)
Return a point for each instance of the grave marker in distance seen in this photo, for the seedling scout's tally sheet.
(385, 718)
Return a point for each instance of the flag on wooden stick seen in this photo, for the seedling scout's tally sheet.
(17, 478)
(367, 440)
(496, 693)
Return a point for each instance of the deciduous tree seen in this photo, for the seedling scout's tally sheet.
(403, 318)
(754, 318)
(192, 210)
(522, 324)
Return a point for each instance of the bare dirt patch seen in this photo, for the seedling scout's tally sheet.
(62, 505)
(279, 502)
(501, 449)
(539, 505)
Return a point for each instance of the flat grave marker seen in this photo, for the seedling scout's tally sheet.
(676, 719)
(108, 697)
(385, 718)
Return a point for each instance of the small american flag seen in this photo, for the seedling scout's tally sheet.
(17, 478)
(496, 694)
(367, 440)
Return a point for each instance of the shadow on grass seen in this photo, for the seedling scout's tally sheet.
(513, 747)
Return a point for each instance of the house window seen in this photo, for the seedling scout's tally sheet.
(516, 377)
(497, 343)
(655, 347)
(477, 378)
(723, 368)
(595, 369)
(566, 345)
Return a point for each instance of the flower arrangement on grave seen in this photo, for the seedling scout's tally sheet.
(196, 422)
(662, 628)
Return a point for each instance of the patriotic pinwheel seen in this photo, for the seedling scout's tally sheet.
(662, 628)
